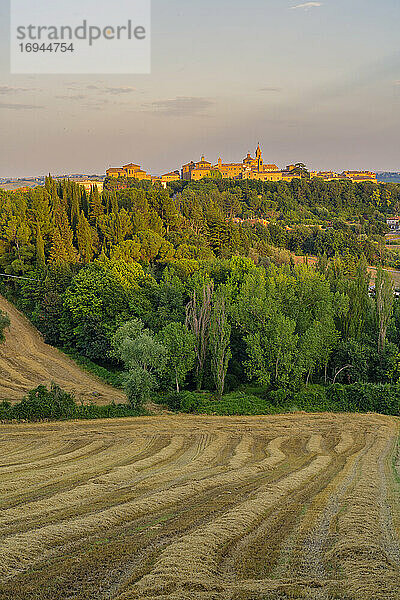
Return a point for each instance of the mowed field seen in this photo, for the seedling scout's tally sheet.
(26, 362)
(186, 507)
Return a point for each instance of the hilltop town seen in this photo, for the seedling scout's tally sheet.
(250, 168)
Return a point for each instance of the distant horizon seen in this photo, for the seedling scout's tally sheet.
(156, 174)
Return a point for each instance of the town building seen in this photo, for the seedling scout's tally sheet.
(360, 176)
(130, 170)
(393, 224)
(89, 183)
(172, 176)
(194, 171)
(355, 176)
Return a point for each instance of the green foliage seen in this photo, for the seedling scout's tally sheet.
(55, 404)
(4, 323)
(358, 397)
(112, 377)
(365, 397)
(42, 403)
(237, 403)
(139, 384)
(114, 277)
(144, 358)
(91, 306)
(180, 346)
(186, 402)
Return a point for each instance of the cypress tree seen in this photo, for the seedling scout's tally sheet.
(62, 249)
(40, 256)
(96, 208)
(85, 239)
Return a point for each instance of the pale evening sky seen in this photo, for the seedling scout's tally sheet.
(317, 82)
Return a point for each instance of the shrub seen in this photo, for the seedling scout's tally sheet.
(56, 404)
(278, 397)
(237, 403)
(42, 403)
(311, 398)
(4, 323)
(185, 401)
(365, 397)
(138, 385)
(5, 410)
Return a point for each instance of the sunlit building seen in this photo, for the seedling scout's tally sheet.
(130, 170)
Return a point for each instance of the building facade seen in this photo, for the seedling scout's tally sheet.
(130, 170)
(355, 176)
(89, 183)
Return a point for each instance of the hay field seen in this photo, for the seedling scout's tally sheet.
(185, 507)
(26, 362)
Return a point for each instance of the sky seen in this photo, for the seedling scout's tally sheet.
(316, 82)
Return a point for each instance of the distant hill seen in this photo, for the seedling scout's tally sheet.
(21, 183)
(386, 177)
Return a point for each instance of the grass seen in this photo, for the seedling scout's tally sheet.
(112, 377)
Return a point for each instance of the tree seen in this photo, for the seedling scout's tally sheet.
(220, 335)
(301, 170)
(62, 250)
(180, 345)
(96, 208)
(270, 335)
(143, 357)
(40, 256)
(198, 315)
(139, 385)
(272, 350)
(384, 298)
(91, 306)
(86, 239)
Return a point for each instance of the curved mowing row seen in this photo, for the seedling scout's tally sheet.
(303, 506)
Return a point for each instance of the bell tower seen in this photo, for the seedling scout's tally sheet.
(259, 159)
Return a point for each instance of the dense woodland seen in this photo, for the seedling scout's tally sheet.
(170, 289)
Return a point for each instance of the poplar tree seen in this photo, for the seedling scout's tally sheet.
(220, 336)
(384, 299)
(198, 315)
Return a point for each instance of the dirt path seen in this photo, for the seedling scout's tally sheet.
(185, 507)
(26, 362)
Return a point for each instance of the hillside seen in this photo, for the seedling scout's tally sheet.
(26, 362)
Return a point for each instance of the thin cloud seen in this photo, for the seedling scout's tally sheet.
(184, 106)
(12, 106)
(112, 90)
(72, 97)
(307, 5)
(270, 89)
(9, 89)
